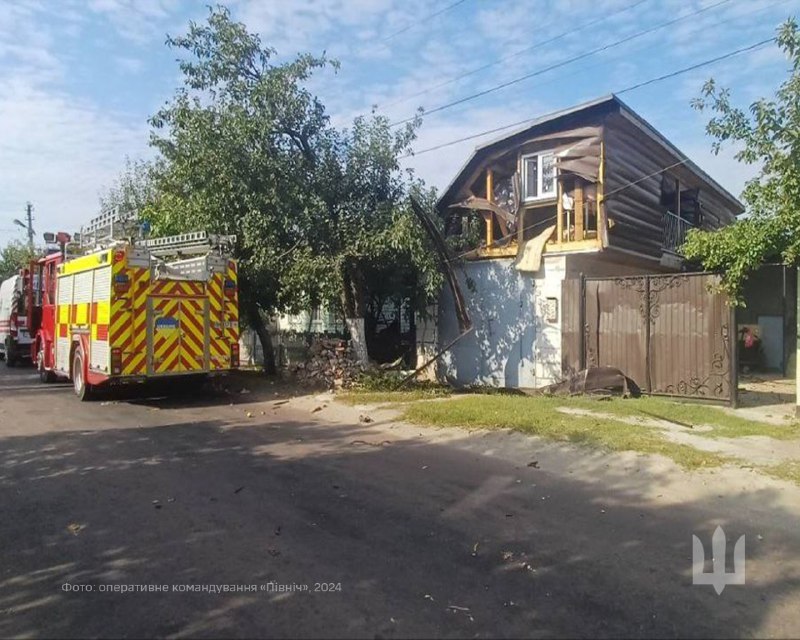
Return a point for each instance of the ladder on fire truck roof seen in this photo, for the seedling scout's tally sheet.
(185, 244)
(109, 225)
(113, 225)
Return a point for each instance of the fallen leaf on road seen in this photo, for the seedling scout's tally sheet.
(429, 597)
(249, 414)
(319, 407)
(425, 466)
(74, 528)
(278, 530)
(534, 464)
(364, 418)
(239, 489)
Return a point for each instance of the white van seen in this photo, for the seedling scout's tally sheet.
(15, 341)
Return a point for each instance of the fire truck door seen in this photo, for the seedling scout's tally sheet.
(194, 334)
(178, 335)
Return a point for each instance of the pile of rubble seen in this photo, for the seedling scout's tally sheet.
(330, 362)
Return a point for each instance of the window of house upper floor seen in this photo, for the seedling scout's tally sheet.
(538, 172)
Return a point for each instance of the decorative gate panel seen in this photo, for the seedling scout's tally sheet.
(671, 334)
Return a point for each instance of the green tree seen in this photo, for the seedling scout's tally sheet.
(133, 191)
(320, 215)
(363, 245)
(14, 256)
(236, 150)
(768, 134)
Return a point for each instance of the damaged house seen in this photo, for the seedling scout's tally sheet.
(593, 190)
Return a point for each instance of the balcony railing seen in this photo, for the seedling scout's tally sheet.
(675, 229)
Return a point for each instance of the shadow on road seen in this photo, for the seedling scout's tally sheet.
(425, 539)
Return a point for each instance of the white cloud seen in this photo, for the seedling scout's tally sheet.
(129, 65)
(136, 20)
(58, 152)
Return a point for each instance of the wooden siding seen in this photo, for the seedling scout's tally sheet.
(635, 211)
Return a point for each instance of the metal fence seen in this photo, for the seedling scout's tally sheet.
(671, 334)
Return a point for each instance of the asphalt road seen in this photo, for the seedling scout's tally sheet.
(412, 534)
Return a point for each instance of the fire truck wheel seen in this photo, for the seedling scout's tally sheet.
(82, 389)
(44, 375)
(11, 353)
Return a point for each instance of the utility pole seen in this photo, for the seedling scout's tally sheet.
(29, 226)
(29, 214)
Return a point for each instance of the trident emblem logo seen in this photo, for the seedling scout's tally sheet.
(718, 578)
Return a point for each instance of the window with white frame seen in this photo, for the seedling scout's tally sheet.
(539, 176)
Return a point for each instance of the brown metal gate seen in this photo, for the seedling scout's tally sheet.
(671, 334)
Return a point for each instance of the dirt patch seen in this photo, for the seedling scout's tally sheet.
(759, 450)
(766, 398)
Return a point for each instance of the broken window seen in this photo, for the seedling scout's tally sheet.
(539, 176)
(535, 220)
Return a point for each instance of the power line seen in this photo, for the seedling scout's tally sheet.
(672, 74)
(424, 18)
(382, 43)
(563, 63)
(606, 196)
(538, 45)
(700, 27)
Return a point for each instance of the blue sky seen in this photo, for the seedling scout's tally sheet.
(80, 77)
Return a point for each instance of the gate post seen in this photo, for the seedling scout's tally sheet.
(582, 320)
(733, 348)
(647, 329)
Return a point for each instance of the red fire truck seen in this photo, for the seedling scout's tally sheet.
(121, 313)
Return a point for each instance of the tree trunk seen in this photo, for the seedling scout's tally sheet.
(358, 339)
(257, 322)
(354, 306)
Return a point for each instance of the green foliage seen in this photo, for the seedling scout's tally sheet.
(235, 144)
(364, 239)
(382, 386)
(134, 192)
(320, 214)
(768, 135)
(14, 256)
